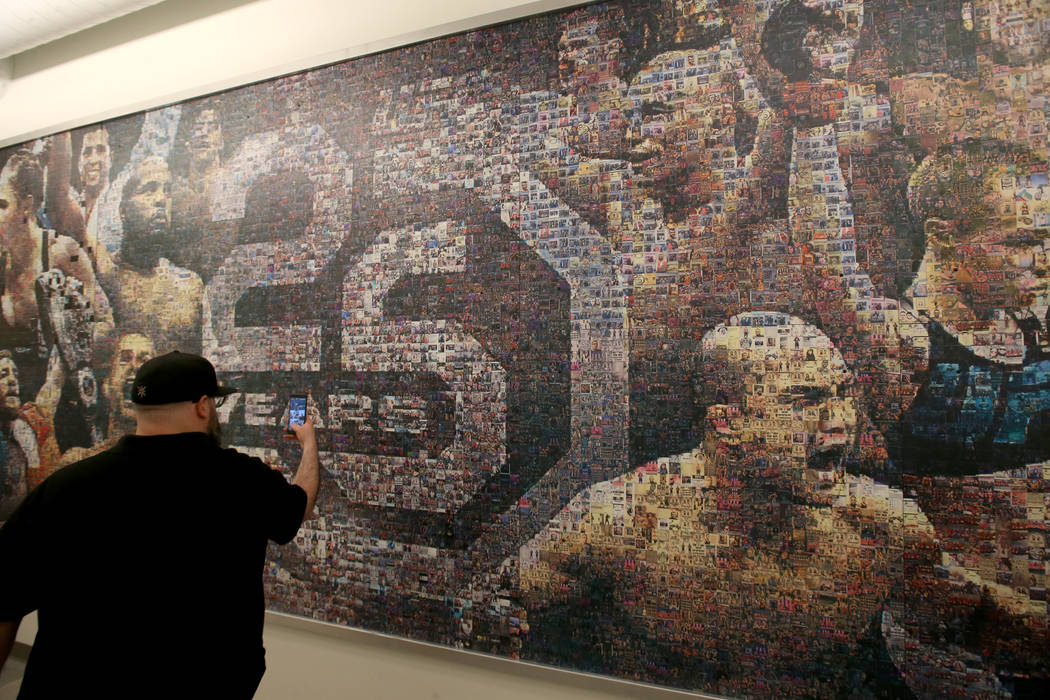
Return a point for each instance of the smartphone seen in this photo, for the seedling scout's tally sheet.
(296, 411)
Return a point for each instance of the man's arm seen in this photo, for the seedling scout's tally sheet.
(68, 256)
(64, 211)
(50, 391)
(41, 416)
(308, 476)
(8, 630)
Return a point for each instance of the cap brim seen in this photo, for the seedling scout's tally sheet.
(226, 391)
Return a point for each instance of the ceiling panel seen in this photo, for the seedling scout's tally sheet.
(30, 23)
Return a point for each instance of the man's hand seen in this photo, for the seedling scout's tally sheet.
(305, 433)
(313, 417)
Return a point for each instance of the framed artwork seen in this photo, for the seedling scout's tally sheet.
(696, 343)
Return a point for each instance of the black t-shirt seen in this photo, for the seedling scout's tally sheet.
(975, 416)
(145, 564)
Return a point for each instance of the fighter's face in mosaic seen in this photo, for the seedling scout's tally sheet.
(807, 41)
(792, 384)
(205, 142)
(9, 390)
(832, 35)
(95, 160)
(677, 125)
(147, 204)
(986, 219)
(12, 203)
(667, 118)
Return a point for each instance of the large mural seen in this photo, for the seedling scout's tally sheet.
(698, 343)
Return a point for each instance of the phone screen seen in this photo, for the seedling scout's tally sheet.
(296, 411)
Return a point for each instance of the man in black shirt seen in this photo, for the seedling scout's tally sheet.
(145, 561)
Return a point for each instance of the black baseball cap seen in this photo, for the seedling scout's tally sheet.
(177, 376)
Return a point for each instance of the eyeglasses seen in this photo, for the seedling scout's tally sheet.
(219, 400)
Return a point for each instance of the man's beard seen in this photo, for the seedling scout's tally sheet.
(215, 429)
(8, 412)
(828, 459)
(140, 248)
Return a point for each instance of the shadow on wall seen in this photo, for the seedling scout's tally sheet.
(130, 27)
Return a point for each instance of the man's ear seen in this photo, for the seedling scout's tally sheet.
(201, 408)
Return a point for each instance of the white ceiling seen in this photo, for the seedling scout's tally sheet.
(25, 24)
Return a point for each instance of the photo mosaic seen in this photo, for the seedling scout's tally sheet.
(698, 343)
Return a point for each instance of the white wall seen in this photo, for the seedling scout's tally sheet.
(307, 659)
(310, 660)
(184, 48)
